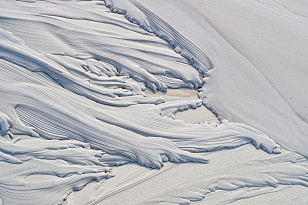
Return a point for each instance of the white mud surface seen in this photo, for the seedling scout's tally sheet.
(73, 104)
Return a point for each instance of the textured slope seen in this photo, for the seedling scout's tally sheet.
(72, 76)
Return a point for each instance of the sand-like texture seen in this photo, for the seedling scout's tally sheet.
(78, 102)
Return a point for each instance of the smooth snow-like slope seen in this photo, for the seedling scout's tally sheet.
(258, 51)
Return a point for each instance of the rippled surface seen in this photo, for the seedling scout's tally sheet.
(72, 76)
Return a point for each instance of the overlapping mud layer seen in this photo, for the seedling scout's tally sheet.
(72, 77)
